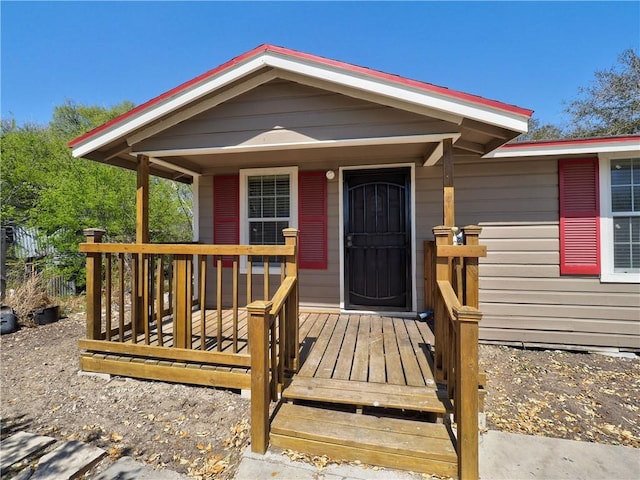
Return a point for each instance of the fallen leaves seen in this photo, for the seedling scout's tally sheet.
(563, 394)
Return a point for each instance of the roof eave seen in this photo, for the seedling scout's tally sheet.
(411, 91)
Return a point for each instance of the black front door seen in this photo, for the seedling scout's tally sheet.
(377, 239)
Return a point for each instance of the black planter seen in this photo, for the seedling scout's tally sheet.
(8, 320)
(43, 316)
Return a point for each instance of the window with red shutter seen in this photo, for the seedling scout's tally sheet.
(226, 211)
(579, 217)
(312, 220)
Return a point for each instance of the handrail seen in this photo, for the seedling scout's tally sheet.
(449, 297)
(187, 249)
(281, 295)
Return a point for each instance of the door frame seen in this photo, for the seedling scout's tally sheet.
(412, 203)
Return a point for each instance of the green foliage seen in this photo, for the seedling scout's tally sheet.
(43, 186)
(538, 132)
(611, 105)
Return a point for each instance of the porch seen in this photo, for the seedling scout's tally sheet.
(358, 387)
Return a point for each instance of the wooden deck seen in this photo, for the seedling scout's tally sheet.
(365, 389)
(366, 392)
(340, 355)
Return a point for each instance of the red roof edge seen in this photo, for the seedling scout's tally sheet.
(572, 141)
(168, 94)
(314, 58)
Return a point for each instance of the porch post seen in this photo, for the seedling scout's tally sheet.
(447, 183)
(94, 286)
(292, 340)
(142, 200)
(466, 392)
(140, 263)
(443, 236)
(259, 323)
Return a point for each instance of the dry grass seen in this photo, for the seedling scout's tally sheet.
(27, 297)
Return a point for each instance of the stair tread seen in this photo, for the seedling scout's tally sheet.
(424, 399)
(394, 436)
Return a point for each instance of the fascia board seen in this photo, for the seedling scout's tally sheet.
(169, 105)
(406, 93)
(572, 149)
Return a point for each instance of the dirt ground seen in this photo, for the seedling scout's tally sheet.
(203, 431)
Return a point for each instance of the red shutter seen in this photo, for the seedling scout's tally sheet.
(226, 211)
(579, 217)
(312, 220)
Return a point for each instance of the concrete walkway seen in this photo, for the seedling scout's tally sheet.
(502, 456)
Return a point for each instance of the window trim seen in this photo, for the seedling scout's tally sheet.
(607, 273)
(244, 207)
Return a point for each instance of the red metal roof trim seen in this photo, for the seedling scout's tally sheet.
(571, 141)
(314, 58)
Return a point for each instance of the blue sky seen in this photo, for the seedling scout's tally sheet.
(532, 54)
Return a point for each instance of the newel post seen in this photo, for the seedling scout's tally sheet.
(443, 236)
(292, 329)
(259, 323)
(466, 401)
(94, 285)
(471, 237)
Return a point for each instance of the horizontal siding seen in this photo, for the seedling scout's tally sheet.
(523, 297)
(287, 112)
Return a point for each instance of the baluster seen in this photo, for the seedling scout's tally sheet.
(219, 300)
(121, 287)
(160, 298)
(145, 297)
(249, 279)
(135, 305)
(188, 301)
(266, 278)
(203, 302)
(235, 304)
(107, 295)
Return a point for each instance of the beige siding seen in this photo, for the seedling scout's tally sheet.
(287, 112)
(523, 296)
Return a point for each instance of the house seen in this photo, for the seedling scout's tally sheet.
(376, 172)
(278, 138)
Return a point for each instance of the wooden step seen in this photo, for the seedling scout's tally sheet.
(366, 394)
(388, 442)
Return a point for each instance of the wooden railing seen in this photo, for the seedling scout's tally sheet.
(456, 318)
(158, 284)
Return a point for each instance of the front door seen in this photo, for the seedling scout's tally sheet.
(377, 239)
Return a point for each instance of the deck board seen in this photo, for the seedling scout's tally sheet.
(330, 356)
(347, 351)
(312, 362)
(377, 371)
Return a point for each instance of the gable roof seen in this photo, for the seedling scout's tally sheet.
(569, 146)
(293, 64)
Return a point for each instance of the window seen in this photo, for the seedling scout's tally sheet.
(620, 219)
(268, 204)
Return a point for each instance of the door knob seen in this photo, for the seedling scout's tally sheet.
(349, 242)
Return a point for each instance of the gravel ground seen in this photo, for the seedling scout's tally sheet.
(202, 431)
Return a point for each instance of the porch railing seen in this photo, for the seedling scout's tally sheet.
(159, 286)
(456, 318)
